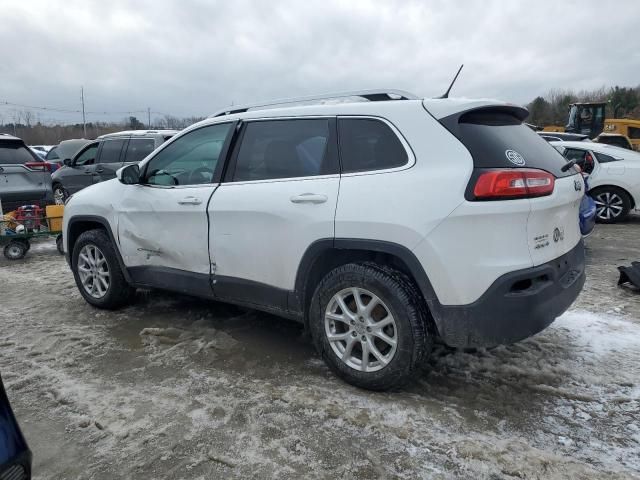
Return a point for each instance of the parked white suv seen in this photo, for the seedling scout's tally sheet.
(614, 176)
(379, 224)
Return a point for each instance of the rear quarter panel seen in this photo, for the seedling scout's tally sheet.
(403, 205)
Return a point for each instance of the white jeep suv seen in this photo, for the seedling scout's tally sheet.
(381, 224)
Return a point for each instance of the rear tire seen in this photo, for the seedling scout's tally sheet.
(612, 204)
(392, 335)
(97, 271)
(15, 250)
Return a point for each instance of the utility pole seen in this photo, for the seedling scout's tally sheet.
(149, 118)
(84, 120)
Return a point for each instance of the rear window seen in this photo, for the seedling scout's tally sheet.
(15, 153)
(616, 141)
(367, 144)
(139, 148)
(498, 139)
(110, 152)
(634, 132)
(602, 158)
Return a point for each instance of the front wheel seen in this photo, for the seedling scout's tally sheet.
(612, 204)
(97, 271)
(370, 325)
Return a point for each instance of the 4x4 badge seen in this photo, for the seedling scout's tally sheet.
(515, 158)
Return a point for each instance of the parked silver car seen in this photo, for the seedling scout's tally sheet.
(24, 177)
(98, 161)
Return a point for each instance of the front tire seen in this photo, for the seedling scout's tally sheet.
(612, 204)
(60, 194)
(369, 323)
(97, 271)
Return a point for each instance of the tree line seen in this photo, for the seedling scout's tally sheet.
(552, 109)
(24, 124)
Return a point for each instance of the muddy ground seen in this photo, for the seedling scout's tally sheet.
(174, 387)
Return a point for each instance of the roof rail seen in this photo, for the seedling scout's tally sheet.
(371, 95)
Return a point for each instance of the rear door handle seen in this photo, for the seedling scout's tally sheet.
(190, 201)
(308, 198)
(100, 169)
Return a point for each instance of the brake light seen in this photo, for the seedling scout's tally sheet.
(40, 166)
(513, 183)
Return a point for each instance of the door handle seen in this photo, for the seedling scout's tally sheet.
(1, 169)
(190, 201)
(309, 198)
(100, 169)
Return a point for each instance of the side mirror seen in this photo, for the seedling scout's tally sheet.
(67, 162)
(129, 175)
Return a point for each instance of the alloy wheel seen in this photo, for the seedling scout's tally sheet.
(609, 205)
(361, 330)
(58, 196)
(93, 271)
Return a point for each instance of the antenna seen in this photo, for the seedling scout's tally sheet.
(446, 94)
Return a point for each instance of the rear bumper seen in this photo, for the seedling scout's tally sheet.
(517, 305)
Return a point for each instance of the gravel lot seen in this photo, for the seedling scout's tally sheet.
(174, 387)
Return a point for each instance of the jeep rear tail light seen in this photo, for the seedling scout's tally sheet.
(40, 166)
(513, 183)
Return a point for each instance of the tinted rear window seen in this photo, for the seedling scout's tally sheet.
(497, 139)
(110, 152)
(15, 153)
(369, 144)
(139, 148)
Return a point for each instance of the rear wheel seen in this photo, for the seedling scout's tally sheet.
(15, 250)
(97, 271)
(60, 195)
(370, 325)
(612, 204)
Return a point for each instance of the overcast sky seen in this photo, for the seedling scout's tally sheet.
(192, 57)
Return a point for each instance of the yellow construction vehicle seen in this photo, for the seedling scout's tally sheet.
(588, 118)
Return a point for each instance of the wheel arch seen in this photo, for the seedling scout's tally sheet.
(324, 255)
(82, 223)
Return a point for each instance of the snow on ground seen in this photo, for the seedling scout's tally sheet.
(174, 387)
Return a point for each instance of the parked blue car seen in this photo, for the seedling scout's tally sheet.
(15, 456)
(587, 211)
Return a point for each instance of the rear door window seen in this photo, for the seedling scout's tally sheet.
(15, 153)
(368, 144)
(272, 149)
(138, 148)
(110, 151)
